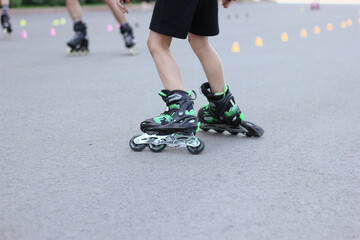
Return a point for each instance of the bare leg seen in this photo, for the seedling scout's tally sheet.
(74, 9)
(4, 2)
(120, 17)
(210, 61)
(166, 66)
(5, 6)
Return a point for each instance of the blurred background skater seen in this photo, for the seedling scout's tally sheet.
(315, 5)
(5, 19)
(145, 5)
(79, 44)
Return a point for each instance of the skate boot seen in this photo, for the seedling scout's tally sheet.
(129, 38)
(79, 44)
(5, 23)
(223, 114)
(175, 127)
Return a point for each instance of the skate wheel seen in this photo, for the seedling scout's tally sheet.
(133, 51)
(233, 132)
(248, 134)
(204, 129)
(157, 148)
(219, 131)
(136, 147)
(253, 129)
(198, 149)
(68, 51)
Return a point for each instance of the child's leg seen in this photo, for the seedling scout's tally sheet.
(222, 113)
(5, 6)
(166, 66)
(125, 29)
(79, 43)
(74, 9)
(120, 17)
(5, 19)
(4, 2)
(210, 61)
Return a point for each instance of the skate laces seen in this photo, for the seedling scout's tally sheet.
(232, 109)
(169, 111)
(192, 94)
(205, 106)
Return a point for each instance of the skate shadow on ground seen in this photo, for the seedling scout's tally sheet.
(114, 54)
(5, 38)
(128, 54)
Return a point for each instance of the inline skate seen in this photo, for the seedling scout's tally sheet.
(5, 23)
(175, 127)
(127, 32)
(223, 114)
(79, 44)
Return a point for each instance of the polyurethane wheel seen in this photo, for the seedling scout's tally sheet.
(136, 147)
(198, 149)
(204, 129)
(234, 132)
(157, 148)
(253, 129)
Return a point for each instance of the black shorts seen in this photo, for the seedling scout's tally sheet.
(176, 18)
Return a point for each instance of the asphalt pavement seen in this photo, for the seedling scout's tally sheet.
(67, 172)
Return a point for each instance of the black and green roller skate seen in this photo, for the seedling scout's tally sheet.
(175, 127)
(5, 23)
(79, 44)
(129, 38)
(223, 114)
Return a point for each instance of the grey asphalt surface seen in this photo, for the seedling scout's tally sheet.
(67, 172)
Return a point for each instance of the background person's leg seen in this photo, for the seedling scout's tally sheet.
(210, 61)
(145, 5)
(5, 19)
(74, 9)
(125, 29)
(120, 17)
(166, 66)
(5, 6)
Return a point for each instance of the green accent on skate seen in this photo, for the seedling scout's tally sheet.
(205, 106)
(192, 92)
(232, 110)
(162, 117)
(210, 119)
(191, 112)
(174, 106)
(241, 116)
(162, 94)
(198, 127)
(168, 118)
(226, 87)
(158, 119)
